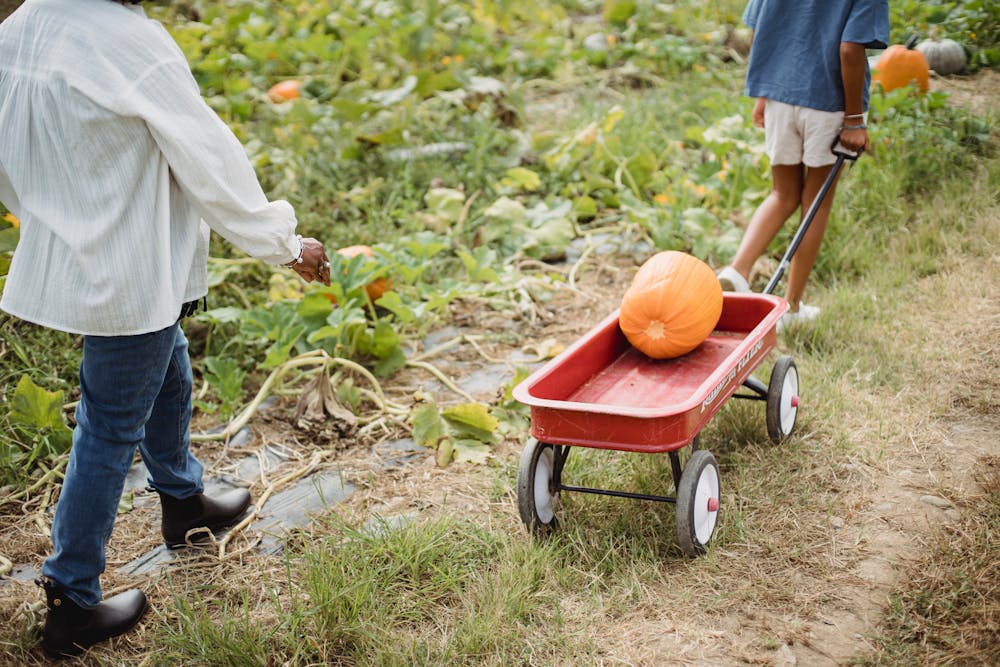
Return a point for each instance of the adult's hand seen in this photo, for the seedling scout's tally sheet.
(315, 265)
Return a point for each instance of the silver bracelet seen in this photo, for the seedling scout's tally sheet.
(854, 115)
(863, 126)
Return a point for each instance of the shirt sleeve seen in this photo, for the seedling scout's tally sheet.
(210, 165)
(751, 12)
(868, 24)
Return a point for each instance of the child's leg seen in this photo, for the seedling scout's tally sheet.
(786, 196)
(805, 256)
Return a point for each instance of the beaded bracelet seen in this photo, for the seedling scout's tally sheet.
(302, 249)
(863, 126)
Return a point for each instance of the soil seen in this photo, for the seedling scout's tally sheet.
(889, 507)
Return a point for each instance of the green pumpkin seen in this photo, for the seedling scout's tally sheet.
(945, 56)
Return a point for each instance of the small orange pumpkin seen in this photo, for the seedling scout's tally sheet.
(900, 64)
(375, 288)
(284, 91)
(673, 304)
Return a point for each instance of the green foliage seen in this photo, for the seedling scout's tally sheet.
(428, 593)
(463, 433)
(975, 24)
(37, 431)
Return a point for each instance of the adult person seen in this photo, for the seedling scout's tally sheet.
(809, 72)
(114, 164)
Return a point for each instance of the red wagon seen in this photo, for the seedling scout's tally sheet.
(601, 392)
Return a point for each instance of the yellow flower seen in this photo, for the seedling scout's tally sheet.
(15, 223)
(698, 189)
(972, 36)
(611, 40)
(664, 199)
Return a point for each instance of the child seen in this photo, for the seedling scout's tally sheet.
(809, 72)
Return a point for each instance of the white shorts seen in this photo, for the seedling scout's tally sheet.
(800, 135)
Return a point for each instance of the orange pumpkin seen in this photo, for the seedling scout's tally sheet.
(284, 91)
(375, 288)
(900, 64)
(673, 304)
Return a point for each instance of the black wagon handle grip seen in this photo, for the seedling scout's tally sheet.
(837, 149)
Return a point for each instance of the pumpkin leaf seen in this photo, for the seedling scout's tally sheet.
(470, 451)
(471, 420)
(428, 428)
(37, 408)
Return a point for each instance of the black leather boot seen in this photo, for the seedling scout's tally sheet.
(180, 516)
(70, 629)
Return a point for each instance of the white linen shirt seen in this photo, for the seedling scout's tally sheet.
(113, 163)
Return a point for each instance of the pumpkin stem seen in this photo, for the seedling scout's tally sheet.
(912, 41)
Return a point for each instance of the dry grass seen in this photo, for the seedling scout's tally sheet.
(949, 611)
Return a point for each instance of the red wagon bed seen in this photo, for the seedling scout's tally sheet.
(602, 392)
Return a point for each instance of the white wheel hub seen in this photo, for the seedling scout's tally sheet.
(789, 405)
(543, 475)
(706, 504)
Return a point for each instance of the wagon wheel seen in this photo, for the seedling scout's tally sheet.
(698, 503)
(782, 399)
(536, 498)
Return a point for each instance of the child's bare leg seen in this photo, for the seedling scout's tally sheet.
(808, 250)
(785, 197)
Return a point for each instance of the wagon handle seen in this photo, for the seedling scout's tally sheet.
(807, 220)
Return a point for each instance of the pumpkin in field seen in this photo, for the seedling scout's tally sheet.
(377, 287)
(672, 305)
(284, 91)
(900, 64)
(946, 56)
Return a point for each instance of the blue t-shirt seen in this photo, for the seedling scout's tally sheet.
(795, 57)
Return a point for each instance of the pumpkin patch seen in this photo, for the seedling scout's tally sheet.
(672, 305)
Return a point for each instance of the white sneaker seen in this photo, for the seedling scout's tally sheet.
(804, 314)
(732, 281)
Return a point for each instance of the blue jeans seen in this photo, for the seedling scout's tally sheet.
(135, 392)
